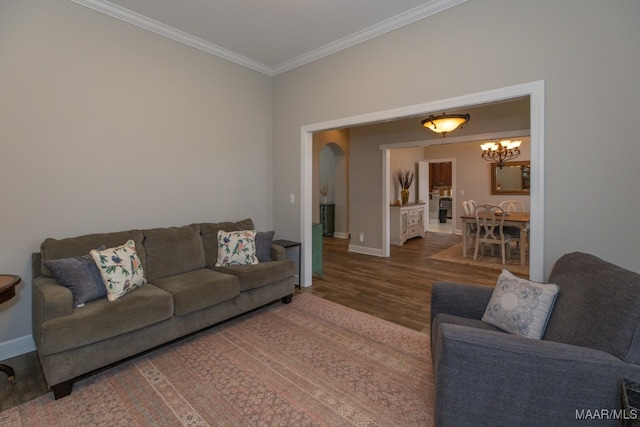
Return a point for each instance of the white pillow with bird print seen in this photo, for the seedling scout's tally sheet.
(236, 248)
(120, 269)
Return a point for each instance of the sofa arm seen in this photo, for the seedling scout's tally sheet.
(459, 299)
(494, 379)
(50, 300)
(278, 253)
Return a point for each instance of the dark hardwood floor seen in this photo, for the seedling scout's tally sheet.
(397, 289)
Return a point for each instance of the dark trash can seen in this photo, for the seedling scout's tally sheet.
(443, 214)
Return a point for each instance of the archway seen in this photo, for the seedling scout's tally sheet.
(331, 170)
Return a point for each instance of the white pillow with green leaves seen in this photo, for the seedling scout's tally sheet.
(120, 269)
(236, 248)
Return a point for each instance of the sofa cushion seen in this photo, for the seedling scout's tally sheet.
(264, 273)
(120, 269)
(199, 289)
(520, 306)
(82, 277)
(598, 306)
(101, 319)
(236, 248)
(209, 234)
(173, 250)
(82, 245)
(263, 245)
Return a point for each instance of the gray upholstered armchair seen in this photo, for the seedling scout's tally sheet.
(487, 377)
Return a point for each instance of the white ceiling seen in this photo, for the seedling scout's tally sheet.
(270, 36)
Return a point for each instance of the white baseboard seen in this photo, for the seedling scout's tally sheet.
(365, 251)
(16, 347)
(340, 235)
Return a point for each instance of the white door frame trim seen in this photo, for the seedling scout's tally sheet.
(535, 91)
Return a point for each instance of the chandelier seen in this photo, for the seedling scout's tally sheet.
(445, 123)
(500, 152)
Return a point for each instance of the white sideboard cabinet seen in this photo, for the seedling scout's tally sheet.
(406, 222)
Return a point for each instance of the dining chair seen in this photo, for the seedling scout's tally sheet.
(512, 206)
(490, 229)
(469, 207)
(514, 232)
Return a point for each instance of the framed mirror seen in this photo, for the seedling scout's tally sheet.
(512, 178)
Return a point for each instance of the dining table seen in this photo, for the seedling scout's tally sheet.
(512, 219)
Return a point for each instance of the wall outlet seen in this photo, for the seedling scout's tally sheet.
(361, 237)
(462, 192)
(292, 198)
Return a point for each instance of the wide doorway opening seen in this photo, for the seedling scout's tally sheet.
(535, 93)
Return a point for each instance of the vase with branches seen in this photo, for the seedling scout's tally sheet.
(324, 190)
(405, 179)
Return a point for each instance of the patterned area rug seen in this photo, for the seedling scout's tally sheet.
(454, 254)
(308, 363)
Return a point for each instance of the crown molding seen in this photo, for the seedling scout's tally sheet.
(398, 21)
(149, 24)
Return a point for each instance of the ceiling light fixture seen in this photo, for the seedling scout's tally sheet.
(445, 123)
(500, 152)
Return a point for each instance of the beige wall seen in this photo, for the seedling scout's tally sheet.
(586, 53)
(105, 126)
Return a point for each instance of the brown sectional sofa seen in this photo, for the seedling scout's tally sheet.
(185, 293)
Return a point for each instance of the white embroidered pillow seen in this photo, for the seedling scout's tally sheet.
(236, 248)
(120, 269)
(520, 306)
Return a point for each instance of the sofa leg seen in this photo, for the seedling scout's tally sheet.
(62, 390)
(287, 299)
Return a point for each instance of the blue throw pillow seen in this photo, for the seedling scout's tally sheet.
(79, 274)
(263, 245)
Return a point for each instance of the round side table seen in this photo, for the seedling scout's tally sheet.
(8, 283)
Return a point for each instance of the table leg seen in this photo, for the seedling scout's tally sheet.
(10, 374)
(523, 245)
(299, 285)
(464, 239)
